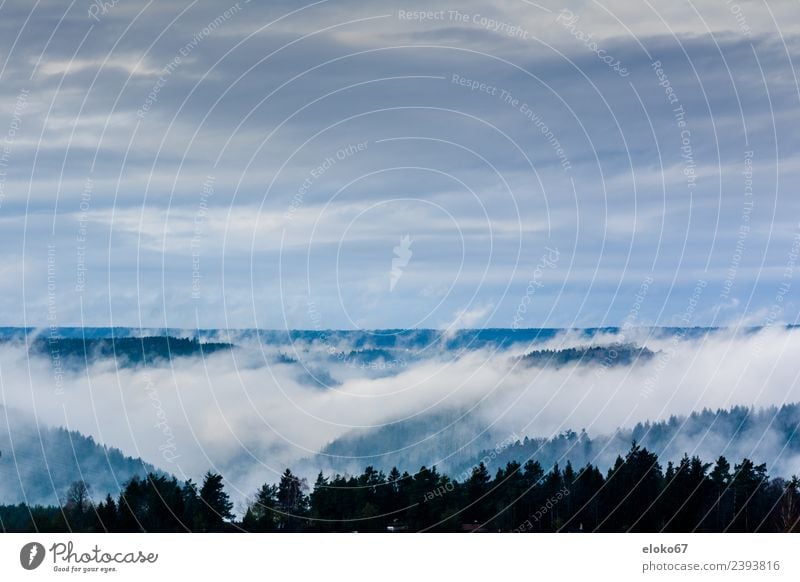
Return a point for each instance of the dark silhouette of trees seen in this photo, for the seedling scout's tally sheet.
(292, 502)
(107, 516)
(786, 517)
(214, 507)
(721, 511)
(586, 500)
(477, 487)
(686, 490)
(261, 515)
(78, 505)
(635, 494)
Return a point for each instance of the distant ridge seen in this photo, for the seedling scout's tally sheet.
(40, 463)
(127, 350)
(770, 435)
(362, 339)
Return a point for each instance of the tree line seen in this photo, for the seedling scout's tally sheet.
(636, 494)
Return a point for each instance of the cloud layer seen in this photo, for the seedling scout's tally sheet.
(250, 413)
(188, 164)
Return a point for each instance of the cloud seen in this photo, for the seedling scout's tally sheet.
(470, 318)
(249, 420)
(542, 144)
(130, 64)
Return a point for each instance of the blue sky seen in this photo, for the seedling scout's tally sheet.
(218, 164)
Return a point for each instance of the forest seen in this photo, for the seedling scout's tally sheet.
(637, 494)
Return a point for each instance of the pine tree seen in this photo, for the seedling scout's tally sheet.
(107, 514)
(631, 489)
(190, 504)
(261, 515)
(721, 513)
(292, 502)
(215, 505)
(478, 508)
(747, 483)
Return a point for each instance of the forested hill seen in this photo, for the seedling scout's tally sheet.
(127, 351)
(406, 339)
(769, 435)
(38, 463)
(637, 494)
(608, 356)
(456, 441)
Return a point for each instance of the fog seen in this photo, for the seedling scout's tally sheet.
(251, 412)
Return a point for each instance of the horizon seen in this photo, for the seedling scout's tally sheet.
(480, 182)
(401, 329)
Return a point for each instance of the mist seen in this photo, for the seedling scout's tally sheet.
(250, 412)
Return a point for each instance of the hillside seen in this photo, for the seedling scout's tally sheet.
(770, 435)
(39, 463)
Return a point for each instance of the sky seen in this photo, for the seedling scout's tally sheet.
(340, 164)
